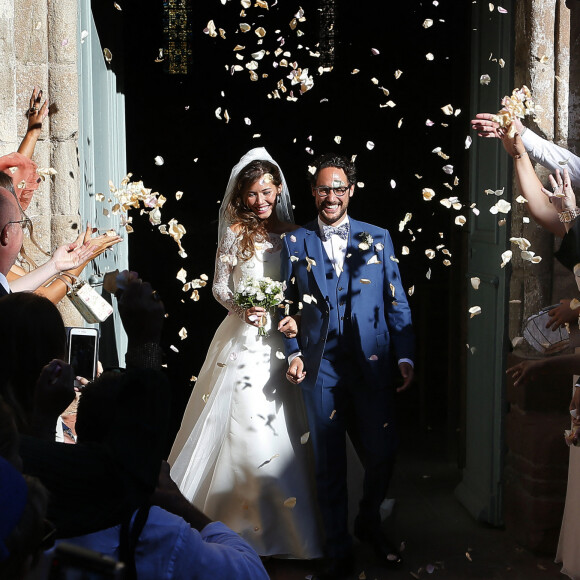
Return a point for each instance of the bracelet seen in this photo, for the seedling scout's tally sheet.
(569, 215)
(520, 155)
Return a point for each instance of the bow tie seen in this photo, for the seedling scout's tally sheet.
(329, 231)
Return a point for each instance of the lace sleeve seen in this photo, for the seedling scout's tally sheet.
(224, 264)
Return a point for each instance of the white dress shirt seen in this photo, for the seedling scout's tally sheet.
(335, 247)
(551, 155)
(4, 283)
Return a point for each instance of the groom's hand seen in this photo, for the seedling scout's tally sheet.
(295, 373)
(407, 373)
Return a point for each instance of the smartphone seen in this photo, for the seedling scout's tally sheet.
(72, 562)
(83, 351)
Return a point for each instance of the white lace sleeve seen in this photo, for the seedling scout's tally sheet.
(224, 264)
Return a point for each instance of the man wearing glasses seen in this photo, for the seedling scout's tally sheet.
(13, 222)
(343, 280)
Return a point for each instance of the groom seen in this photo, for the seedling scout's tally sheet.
(343, 277)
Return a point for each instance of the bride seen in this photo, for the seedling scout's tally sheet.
(241, 454)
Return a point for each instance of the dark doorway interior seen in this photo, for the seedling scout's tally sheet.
(174, 116)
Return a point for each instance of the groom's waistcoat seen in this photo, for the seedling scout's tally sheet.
(340, 336)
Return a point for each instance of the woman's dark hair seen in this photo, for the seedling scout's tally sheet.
(251, 228)
(333, 160)
(32, 333)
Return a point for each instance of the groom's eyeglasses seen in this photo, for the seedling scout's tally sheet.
(324, 191)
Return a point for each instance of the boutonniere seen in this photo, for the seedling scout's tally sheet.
(366, 241)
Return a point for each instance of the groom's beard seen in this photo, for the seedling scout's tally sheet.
(335, 215)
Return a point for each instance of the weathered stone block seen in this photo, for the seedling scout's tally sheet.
(534, 522)
(62, 42)
(548, 394)
(31, 32)
(64, 94)
(65, 199)
(539, 437)
(27, 77)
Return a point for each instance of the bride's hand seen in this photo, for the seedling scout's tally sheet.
(253, 315)
(288, 326)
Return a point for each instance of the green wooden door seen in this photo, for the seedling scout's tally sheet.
(102, 158)
(481, 487)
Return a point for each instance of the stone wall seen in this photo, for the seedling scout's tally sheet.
(536, 463)
(38, 45)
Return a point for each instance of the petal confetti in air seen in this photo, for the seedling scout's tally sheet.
(428, 194)
(365, 281)
(405, 221)
(460, 220)
(290, 502)
(373, 357)
(310, 263)
(522, 243)
(304, 438)
(427, 23)
(448, 169)
(374, 260)
(505, 258)
(484, 79)
(475, 281)
(411, 291)
(474, 311)
(182, 275)
(370, 145)
(183, 333)
(502, 206)
(447, 109)
(280, 355)
(159, 160)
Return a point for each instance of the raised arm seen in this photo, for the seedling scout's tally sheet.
(37, 112)
(542, 151)
(542, 210)
(64, 258)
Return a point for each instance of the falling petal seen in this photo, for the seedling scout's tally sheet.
(506, 257)
(484, 79)
(290, 502)
(304, 437)
(428, 194)
(475, 281)
(474, 311)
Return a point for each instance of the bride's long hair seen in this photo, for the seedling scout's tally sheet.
(251, 227)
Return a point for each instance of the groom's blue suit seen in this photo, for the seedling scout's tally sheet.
(351, 327)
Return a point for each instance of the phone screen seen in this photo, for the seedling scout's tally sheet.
(82, 354)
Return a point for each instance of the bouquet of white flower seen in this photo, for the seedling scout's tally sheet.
(263, 292)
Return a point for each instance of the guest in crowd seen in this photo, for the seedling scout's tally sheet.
(557, 212)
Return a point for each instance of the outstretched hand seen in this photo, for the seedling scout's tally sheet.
(526, 371)
(562, 195)
(69, 256)
(37, 112)
(487, 127)
(562, 315)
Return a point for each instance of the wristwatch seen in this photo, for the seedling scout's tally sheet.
(569, 215)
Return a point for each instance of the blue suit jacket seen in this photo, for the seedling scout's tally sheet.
(381, 318)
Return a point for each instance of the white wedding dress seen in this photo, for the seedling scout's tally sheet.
(238, 455)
